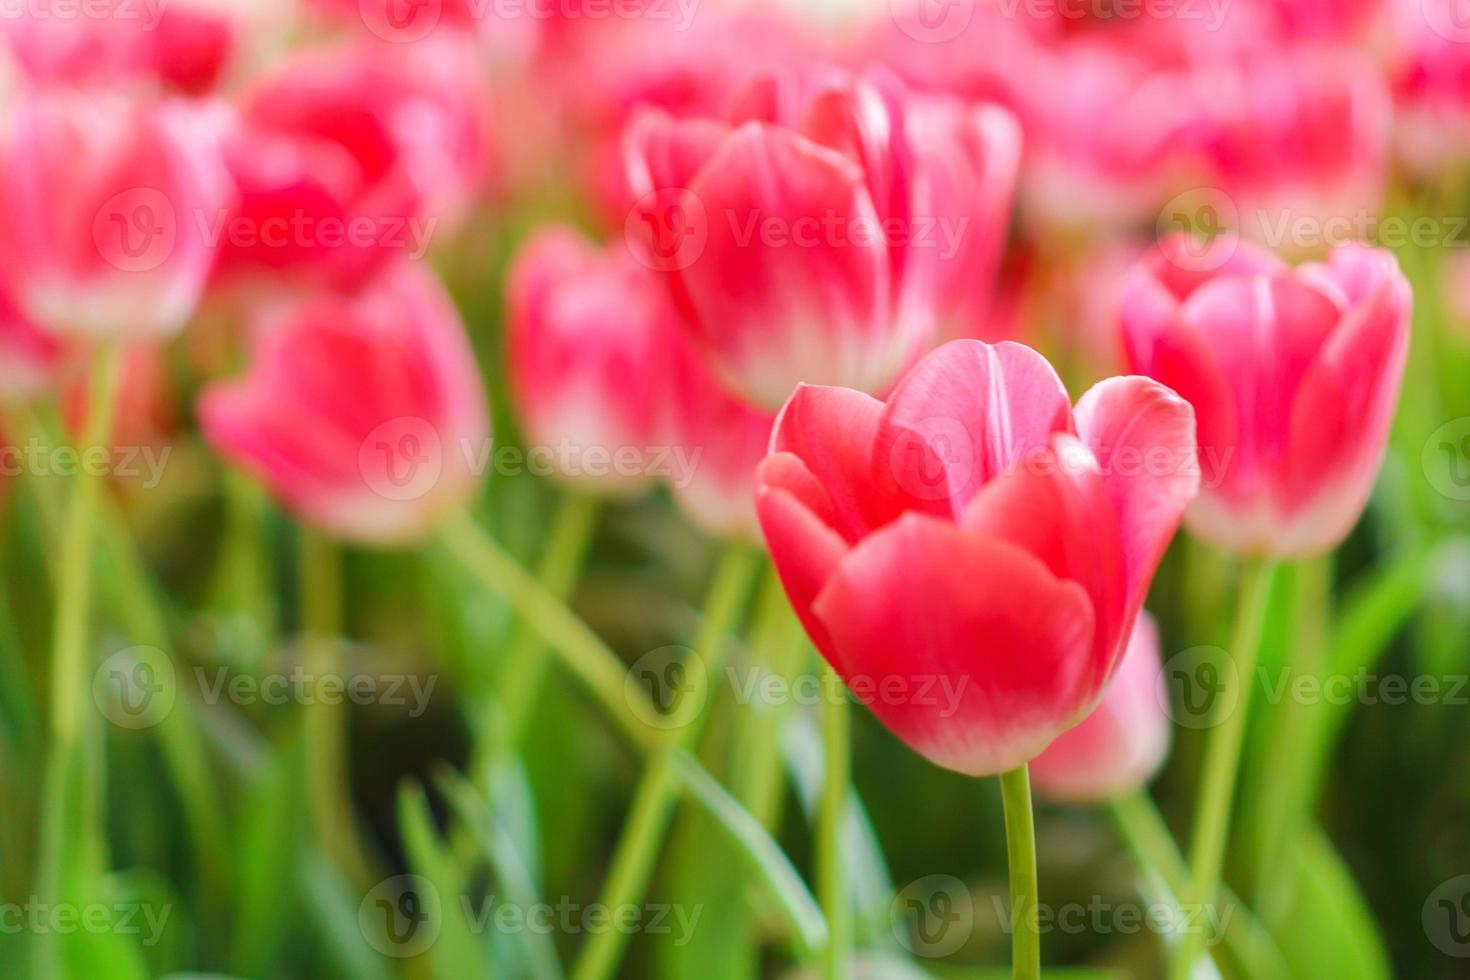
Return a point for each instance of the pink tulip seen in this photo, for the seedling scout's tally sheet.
(104, 210)
(1294, 375)
(1429, 72)
(826, 232)
(364, 414)
(1120, 746)
(585, 331)
(353, 157)
(975, 546)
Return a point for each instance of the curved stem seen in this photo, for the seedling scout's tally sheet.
(653, 803)
(837, 770)
(1015, 791)
(72, 783)
(582, 650)
(1222, 761)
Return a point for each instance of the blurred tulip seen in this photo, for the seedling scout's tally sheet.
(1429, 71)
(145, 412)
(718, 440)
(585, 333)
(352, 157)
(1120, 746)
(1294, 376)
(104, 211)
(364, 414)
(976, 542)
(824, 238)
(28, 355)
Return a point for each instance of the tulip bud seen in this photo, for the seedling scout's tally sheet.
(585, 332)
(104, 211)
(1120, 746)
(1293, 374)
(364, 414)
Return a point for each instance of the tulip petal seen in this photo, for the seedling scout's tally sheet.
(961, 417)
(832, 431)
(985, 651)
(806, 551)
(1143, 437)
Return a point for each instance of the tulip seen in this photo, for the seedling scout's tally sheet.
(978, 537)
(825, 233)
(103, 211)
(1294, 375)
(585, 333)
(364, 414)
(349, 158)
(1120, 746)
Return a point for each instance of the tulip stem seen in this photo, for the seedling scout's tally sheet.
(72, 782)
(1015, 792)
(837, 770)
(658, 791)
(1222, 761)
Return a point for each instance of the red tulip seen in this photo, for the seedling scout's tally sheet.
(364, 414)
(976, 536)
(1120, 746)
(826, 232)
(353, 157)
(104, 208)
(585, 333)
(1294, 375)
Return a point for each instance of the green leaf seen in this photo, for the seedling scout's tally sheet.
(456, 953)
(1328, 929)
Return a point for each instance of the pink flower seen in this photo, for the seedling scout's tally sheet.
(975, 534)
(104, 208)
(364, 414)
(28, 354)
(827, 231)
(1294, 375)
(352, 157)
(1120, 746)
(586, 330)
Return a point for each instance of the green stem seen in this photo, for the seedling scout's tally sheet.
(837, 780)
(1015, 791)
(1222, 760)
(326, 724)
(71, 742)
(658, 791)
(780, 646)
(561, 565)
(580, 648)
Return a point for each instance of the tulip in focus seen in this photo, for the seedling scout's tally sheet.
(827, 230)
(364, 414)
(585, 334)
(979, 536)
(1293, 374)
(103, 210)
(1120, 746)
